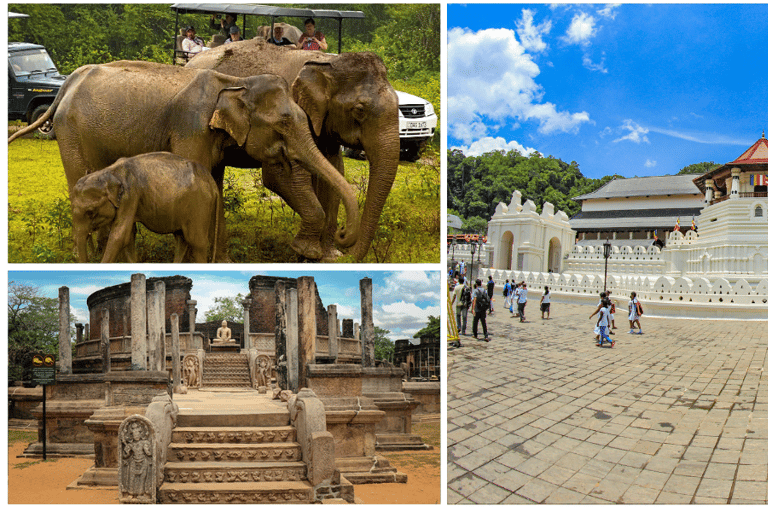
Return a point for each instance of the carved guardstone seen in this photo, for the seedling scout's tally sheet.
(191, 369)
(137, 461)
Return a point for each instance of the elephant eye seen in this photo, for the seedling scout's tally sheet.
(359, 111)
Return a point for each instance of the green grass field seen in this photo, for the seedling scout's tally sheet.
(260, 224)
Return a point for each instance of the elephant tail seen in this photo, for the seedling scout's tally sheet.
(72, 81)
(37, 124)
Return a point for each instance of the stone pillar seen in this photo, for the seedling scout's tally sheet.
(305, 288)
(247, 325)
(356, 331)
(87, 333)
(79, 335)
(160, 289)
(176, 354)
(65, 343)
(366, 327)
(735, 172)
(192, 314)
(106, 361)
(281, 334)
(718, 194)
(292, 338)
(710, 185)
(138, 322)
(153, 331)
(333, 334)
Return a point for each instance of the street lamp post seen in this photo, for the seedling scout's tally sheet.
(453, 252)
(607, 253)
(472, 247)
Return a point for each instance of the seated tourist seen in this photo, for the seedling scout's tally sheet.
(278, 38)
(310, 39)
(234, 35)
(192, 44)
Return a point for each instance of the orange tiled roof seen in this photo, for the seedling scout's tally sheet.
(756, 154)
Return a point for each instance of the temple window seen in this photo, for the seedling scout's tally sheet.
(758, 211)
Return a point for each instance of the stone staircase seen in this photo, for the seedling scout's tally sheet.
(226, 370)
(235, 457)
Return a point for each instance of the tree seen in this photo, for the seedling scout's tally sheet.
(431, 330)
(33, 327)
(700, 168)
(226, 308)
(384, 348)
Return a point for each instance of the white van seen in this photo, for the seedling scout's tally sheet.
(418, 122)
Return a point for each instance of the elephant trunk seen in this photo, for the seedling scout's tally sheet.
(307, 153)
(81, 242)
(383, 155)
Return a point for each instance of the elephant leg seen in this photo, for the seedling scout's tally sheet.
(221, 255)
(330, 203)
(130, 250)
(180, 250)
(296, 188)
(195, 236)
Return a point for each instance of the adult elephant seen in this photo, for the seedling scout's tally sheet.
(349, 102)
(122, 109)
(289, 32)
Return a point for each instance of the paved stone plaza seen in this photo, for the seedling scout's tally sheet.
(541, 415)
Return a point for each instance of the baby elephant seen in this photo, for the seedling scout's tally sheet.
(163, 191)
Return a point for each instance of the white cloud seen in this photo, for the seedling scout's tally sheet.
(404, 319)
(703, 138)
(530, 34)
(636, 133)
(592, 66)
(650, 163)
(581, 29)
(488, 144)
(492, 78)
(609, 11)
(606, 131)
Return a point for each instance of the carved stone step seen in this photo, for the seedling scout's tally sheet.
(236, 492)
(226, 384)
(243, 435)
(228, 418)
(220, 472)
(229, 452)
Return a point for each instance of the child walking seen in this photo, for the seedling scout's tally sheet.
(602, 322)
(545, 299)
(634, 314)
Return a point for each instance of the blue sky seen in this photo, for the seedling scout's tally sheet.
(402, 301)
(635, 90)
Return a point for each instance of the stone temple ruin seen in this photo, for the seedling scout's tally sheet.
(317, 404)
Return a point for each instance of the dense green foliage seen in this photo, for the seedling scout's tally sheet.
(477, 184)
(431, 330)
(700, 168)
(405, 36)
(384, 348)
(226, 308)
(260, 224)
(33, 327)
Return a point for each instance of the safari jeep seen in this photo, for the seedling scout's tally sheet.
(33, 82)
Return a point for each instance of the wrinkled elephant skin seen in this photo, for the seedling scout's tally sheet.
(349, 101)
(163, 191)
(125, 108)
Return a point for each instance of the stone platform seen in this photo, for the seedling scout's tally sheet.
(231, 348)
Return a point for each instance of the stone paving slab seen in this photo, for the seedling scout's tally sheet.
(541, 415)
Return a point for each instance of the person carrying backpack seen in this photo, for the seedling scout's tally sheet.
(491, 286)
(480, 304)
(507, 292)
(462, 297)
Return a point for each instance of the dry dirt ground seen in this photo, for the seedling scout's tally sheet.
(36, 481)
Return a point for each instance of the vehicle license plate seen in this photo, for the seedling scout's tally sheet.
(415, 124)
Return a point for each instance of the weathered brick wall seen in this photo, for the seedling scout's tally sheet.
(117, 300)
(262, 311)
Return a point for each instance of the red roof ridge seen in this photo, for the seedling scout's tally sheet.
(756, 154)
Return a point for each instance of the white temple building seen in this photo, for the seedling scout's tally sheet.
(719, 270)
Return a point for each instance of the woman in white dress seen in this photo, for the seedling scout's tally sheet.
(634, 315)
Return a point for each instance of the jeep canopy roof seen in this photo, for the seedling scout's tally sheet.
(264, 10)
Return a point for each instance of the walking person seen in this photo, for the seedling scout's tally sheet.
(462, 296)
(612, 316)
(635, 312)
(544, 302)
(507, 292)
(522, 300)
(515, 295)
(602, 322)
(480, 305)
(491, 286)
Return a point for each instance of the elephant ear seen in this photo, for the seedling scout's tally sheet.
(114, 189)
(311, 91)
(231, 115)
